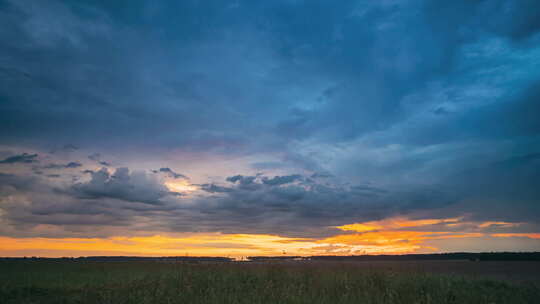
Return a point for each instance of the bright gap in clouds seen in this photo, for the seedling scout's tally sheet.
(181, 186)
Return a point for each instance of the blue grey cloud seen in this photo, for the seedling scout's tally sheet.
(352, 110)
(24, 158)
(121, 184)
(171, 173)
(281, 180)
(69, 165)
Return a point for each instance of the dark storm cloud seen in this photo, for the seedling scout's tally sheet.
(35, 202)
(514, 19)
(69, 165)
(281, 180)
(357, 48)
(24, 158)
(242, 180)
(94, 156)
(173, 174)
(97, 158)
(83, 208)
(306, 209)
(513, 118)
(507, 189)
(252, 182)
(384, 107)
(212, 188)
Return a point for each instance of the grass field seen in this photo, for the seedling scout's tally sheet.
(303, 282)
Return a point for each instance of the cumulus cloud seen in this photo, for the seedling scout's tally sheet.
(122, 184)
(104, 205)
(249, 205)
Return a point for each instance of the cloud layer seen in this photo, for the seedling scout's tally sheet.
(285, 118)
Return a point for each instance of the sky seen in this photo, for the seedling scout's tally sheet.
(241, 128)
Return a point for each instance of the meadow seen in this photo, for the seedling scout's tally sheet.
(56, 281)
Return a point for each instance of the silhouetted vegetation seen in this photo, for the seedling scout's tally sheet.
(482, 256)
(126, 259)
(91, 280)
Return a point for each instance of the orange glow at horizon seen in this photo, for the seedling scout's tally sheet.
(395, 223)
(212, 244)
(388, 236)
(525, 235)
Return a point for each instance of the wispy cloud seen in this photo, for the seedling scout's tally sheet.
(24, 158)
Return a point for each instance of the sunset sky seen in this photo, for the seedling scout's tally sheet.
(238, 128)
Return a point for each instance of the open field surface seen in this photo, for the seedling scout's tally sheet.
(42, 281)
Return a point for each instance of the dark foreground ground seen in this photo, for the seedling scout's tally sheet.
(42, 281)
